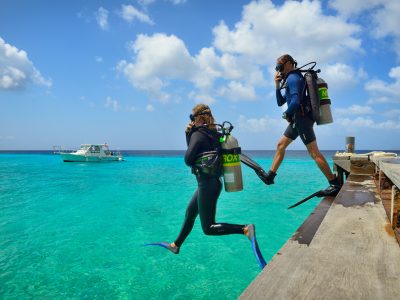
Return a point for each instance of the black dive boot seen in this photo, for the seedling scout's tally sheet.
(333, 189)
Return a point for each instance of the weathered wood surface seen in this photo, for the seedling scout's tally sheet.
(378, 158)
(361, 166)
(353, 254)
(391, 168)
(343, 162)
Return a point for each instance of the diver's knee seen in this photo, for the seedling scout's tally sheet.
(207, 230)
(281, 146)
(210, 229)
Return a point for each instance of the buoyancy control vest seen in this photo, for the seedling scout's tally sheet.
(209, 163)
(224, 159)
(314, 97)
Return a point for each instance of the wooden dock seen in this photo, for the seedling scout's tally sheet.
(347, 248)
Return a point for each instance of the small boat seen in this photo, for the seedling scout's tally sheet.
(92, 153)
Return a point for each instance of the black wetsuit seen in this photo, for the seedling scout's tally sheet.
(204, 200)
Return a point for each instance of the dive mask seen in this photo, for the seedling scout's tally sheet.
(280, 67)
(192, 116)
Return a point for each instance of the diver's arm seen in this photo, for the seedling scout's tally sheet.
(280, 100)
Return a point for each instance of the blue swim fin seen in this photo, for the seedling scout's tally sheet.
(254, 246)
(165, 245)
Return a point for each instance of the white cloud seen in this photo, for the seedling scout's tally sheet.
(130, 13)
(259, 125)
(158, 59)
(146, 2)
(16, 70)
(150, 108)
(102, 18)
(112, 104)
(340, 76)
(237, 91)
(384, 92)
(392, 114)
(351, 8)
(232, 67)
(177, 2)
(354, 110)
(383, 18)
(367, 123)
(264, 33)
(99, 59)
(202, 98)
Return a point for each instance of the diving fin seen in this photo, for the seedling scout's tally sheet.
(165, 245)
(316, 194)
(254, 246)
(249, 162)
(331, 191)
(267, 178)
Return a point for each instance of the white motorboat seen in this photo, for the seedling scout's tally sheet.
(92, 153)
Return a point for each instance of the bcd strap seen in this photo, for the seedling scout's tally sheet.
(237, 150)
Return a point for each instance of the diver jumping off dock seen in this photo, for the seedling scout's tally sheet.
(299, 115)
(204, 157)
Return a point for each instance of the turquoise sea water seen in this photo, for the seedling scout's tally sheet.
(76, 230)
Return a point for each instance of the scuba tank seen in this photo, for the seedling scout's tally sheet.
(325, 116)
(317, 90)
(232, 170)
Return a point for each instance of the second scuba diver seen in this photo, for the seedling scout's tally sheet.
(298, 115)
(204, 157)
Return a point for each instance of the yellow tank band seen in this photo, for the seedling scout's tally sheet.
(323, 93)
(231, 164)
(231, 158)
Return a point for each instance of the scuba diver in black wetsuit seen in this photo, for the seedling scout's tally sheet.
(204, 157)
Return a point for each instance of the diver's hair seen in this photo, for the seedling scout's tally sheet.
(204, 113)
(286, 57)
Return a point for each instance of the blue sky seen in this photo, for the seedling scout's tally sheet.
(129, 72)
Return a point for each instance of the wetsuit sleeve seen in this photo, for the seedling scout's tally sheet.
(294, 83)
(279, 98)
(193, 148)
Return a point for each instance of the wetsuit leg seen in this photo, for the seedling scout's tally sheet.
(209, 190)
(191, 213)
(304, 126)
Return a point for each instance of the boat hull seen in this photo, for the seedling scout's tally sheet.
(70, 157)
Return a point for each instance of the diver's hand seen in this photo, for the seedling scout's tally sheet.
(189, 127)
(278, 79)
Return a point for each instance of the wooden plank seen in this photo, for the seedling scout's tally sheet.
(391, 168)
(377, 158)
(362, 166)
(344, 164)
(353, 254)
(306, 232)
